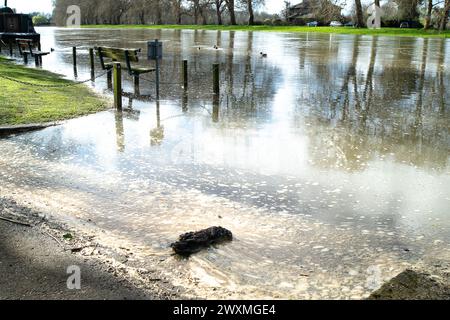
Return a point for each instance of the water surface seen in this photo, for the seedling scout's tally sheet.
(329, 159)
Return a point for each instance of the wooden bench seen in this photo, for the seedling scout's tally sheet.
(27, 48)
(109, 55)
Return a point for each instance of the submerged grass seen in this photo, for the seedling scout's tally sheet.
(24, 104)
(341, 30)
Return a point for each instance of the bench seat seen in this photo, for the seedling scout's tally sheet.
(26, 48)
(134, 70)
(39, 53)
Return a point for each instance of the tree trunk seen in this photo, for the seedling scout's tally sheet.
(177, 5)
(251, 15)
(445, 15)
(377, 3)
(359, 14)
(428, 16)
(196, 11)
(230, 5)
(219, 12)
(158, 12)
(203, 15)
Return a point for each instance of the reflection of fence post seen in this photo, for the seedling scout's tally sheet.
(137, 91)
(216, 108)
(185, 74)
(92, 63)
(216, 78)
(184, 102)
(216, 85)
(117, 85)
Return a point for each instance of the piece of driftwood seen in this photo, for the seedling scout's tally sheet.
(16, 222)
(194, 242)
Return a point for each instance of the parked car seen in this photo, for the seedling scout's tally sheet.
(313, 24)
(411, 24)
(336, 24)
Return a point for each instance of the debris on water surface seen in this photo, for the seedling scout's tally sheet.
(194, 242)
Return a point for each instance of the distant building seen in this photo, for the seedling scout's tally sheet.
(322, 11)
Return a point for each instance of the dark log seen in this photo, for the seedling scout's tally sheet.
(194, 242)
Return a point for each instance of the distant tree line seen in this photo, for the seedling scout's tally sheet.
(433, 13)
(162, 11)
(41, 19)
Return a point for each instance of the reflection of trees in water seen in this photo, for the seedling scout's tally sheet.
(249, 84)
(399, 112)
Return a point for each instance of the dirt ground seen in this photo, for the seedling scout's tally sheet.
(33, 266)
(34, 261)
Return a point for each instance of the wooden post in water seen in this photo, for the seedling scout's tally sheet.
(185, 74)
(74, 57)
(117, 85)
(157, 78)
(10, 48)
(216, 78)
(92, 63)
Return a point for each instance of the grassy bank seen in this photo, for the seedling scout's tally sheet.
(23, 104)
(342, 30)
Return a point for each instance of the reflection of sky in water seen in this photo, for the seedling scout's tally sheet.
(349, 134)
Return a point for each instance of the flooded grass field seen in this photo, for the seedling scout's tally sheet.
(329, 159)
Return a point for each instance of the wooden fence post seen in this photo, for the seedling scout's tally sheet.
(74, 55)
(185, 74)
(92, 63)
(117, 85)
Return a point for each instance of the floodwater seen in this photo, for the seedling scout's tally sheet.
(329, 160)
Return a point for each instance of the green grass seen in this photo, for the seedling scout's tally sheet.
(342, 30)
(24, 104)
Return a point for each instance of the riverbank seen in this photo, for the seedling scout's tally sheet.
(296, 29)
(41, 96)
(36, 253)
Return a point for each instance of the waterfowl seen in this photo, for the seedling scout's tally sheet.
(264, 55)
(216, 47)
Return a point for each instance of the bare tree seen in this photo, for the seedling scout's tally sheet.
(178, 9)
(445, 13)
(220, 8)
(359, 14)
(231, 11)
(285, 12)
(249, 6)
(251, 14)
